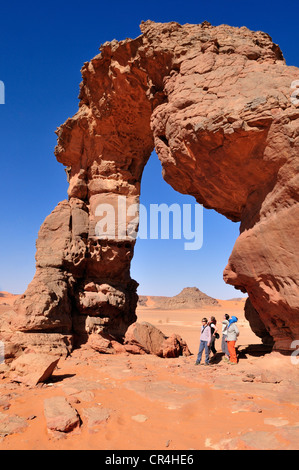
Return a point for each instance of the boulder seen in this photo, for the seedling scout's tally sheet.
(100, 343)
(144, 338)
(11, 424)
(175, 346)
(96, 416)
(60, 415)
(31, 369)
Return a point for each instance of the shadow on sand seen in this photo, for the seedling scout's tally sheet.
(243, 351)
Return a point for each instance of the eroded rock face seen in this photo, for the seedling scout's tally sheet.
(215, 104)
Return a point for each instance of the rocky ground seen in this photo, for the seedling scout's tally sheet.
(139, 402)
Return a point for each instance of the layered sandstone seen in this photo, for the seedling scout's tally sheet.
(215, 104)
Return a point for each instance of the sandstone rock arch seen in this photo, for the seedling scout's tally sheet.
(215, 104)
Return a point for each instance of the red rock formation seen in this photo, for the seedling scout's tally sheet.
(215, 103)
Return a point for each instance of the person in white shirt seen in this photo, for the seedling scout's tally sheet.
(205, 341)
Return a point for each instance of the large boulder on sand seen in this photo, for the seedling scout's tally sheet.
(144, 338)
(31, 369)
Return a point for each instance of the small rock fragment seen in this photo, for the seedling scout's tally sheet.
(60, 415)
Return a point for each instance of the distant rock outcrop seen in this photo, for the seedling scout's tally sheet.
(189, 297)
(7, 299)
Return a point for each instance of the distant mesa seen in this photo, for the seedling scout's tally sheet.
(7, 294)
(189, 297)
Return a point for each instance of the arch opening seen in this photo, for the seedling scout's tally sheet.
(164, 267)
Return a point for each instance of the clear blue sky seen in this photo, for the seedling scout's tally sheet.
(43, 47)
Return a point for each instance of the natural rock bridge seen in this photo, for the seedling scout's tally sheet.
(215, 103)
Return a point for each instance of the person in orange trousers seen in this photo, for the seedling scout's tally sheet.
(232, 352)
(231, 338)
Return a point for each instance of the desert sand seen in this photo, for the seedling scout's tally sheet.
(6, 298)
(143, 402)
